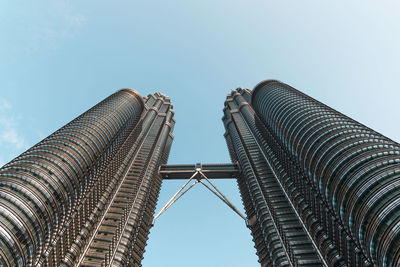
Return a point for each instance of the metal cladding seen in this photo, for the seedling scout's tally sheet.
(280, 235)
(319, 188)
(355, 169)
(340, 177)
(56, 196)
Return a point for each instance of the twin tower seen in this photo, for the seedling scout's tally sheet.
(319, 188)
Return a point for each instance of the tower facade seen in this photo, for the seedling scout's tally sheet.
(319, 188)
(85, 195)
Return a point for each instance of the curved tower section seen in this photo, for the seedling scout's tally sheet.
(347, 174)
(319, 188)
(55, 193)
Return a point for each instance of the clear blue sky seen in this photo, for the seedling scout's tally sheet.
(59, 58)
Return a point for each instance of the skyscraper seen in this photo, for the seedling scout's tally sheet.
(319, 188)
(86, 194)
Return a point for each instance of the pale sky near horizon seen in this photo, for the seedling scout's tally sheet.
(58, 58)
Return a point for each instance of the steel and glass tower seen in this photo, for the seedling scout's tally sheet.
(86, 194)
(319, 188)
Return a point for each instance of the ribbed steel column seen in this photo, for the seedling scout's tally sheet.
(41, 188)
(281, 238)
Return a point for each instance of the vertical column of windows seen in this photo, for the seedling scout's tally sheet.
(280, 252)
(290, 187)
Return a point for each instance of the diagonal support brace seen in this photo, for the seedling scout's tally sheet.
(199, 175)
(176, 196)
(221, 196)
